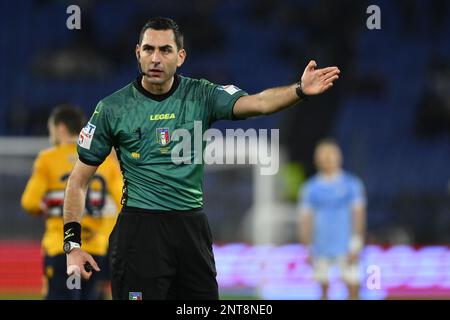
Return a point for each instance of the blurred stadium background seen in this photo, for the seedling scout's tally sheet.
(390, 111)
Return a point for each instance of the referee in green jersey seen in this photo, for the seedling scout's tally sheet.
(161, 246)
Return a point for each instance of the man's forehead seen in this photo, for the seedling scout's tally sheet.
(158, 37)
(327, 148)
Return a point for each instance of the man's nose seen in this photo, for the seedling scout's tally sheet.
(156, 57)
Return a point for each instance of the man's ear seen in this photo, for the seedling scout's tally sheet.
(181, 57)
(138, 52)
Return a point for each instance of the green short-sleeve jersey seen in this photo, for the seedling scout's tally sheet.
(139, 126)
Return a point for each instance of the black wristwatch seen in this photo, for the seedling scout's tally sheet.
(299, 91)
(70, 245)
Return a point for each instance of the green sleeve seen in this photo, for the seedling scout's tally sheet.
(222, 100)
(95, 139)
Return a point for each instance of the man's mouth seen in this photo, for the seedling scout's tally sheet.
(155, 72)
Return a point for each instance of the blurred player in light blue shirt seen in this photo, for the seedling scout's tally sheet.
(332, 218)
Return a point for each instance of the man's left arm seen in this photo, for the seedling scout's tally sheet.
(358, 222)
(359, 226)
(313, 82)
(33, 196)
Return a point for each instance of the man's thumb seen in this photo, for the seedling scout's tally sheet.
(73, 268)
(311, 65)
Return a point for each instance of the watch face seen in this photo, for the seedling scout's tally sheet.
(66, 247)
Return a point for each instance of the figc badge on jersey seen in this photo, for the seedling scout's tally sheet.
(162, 136)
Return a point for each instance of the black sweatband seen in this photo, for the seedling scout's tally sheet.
(72, 232)
(299, 91)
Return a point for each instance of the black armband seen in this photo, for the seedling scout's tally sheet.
(72, 232)
(299, 91)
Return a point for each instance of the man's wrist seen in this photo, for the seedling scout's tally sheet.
(299, 91)
(69, 246)
(72, 232)
(356, 244)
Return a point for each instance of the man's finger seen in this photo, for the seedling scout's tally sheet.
(325, 71)
(85, 275)
(93, 263)
(331, 75)
(330, 79)
(327, 86)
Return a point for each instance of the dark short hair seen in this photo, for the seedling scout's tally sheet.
(161, 23)
(69, 115)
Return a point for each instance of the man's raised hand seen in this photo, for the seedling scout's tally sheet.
(316, 81)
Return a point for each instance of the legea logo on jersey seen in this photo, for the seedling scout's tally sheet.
(163, 116)
(162, 136)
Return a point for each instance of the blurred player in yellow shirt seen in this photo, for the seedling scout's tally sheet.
(44, 195)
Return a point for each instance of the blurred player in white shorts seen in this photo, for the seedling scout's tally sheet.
(332, 219)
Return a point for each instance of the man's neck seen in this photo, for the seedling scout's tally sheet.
(331, 175)
(69, 140)
(157, 88)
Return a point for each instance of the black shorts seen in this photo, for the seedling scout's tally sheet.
(162, 256)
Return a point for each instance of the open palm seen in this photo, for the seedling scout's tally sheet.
(316, 81)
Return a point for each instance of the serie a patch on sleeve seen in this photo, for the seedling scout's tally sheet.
(86, 135)
(230, 89)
